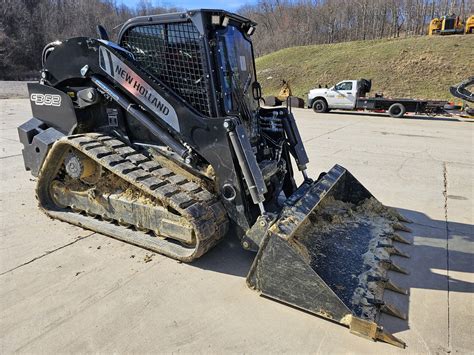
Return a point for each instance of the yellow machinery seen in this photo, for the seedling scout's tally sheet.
(470, 25)
(284, 96)
(449, 25)
(285, 91)
(434, 27)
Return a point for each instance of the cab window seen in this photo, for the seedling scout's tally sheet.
(346, 85)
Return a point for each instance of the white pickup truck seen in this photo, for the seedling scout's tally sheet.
(351, 95)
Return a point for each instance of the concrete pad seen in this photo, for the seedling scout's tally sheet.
(9, 148)
(66, 290)
(460, 211)
(30, 227)
(13, 89)
(14, 111)
(30, 233)
(12, 115)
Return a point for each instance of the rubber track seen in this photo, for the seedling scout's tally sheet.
(201, 208)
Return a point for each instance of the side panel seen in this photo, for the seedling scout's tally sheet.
(52, 106)
(137, 87)
(330, 97)
(345, 97)
(384, 104)
(366, 104)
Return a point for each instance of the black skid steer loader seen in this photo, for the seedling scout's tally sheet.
(159, 140)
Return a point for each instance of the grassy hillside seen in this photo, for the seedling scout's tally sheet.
(417, 67)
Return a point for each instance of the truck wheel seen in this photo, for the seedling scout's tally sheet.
(397, 110)
(320, 106)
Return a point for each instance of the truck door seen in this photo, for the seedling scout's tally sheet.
(344, 95)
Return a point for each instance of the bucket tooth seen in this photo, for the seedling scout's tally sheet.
(386, 308)
(390, 309)
(386, 283)
(389, 285)
(398, 252)
(370, 330)
(389, 338)
(395, 251)
(399, 216)
(400, 227)
(390, 265)
(402, 218)
(398, 238)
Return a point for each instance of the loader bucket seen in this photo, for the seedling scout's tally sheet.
(328, 253)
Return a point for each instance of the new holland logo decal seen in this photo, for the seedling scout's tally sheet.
(136, 86)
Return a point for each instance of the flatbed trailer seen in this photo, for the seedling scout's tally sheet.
(409, 105)
(350, 95)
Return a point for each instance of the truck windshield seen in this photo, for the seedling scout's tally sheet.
(237, 71)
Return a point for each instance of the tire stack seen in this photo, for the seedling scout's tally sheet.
(294, 101)
(272, 101)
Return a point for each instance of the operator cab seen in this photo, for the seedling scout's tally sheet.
(205, 56)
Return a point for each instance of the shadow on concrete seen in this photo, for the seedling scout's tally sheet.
(439, 251)
(227, 257)
(429, 264)
(408, 117)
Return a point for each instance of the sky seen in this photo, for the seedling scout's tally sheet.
(230, 5)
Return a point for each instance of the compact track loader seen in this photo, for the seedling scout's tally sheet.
(158, 140)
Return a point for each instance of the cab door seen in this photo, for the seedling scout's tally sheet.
(344, 95)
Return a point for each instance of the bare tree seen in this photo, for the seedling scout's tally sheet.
(27, 25)
(287, 23)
